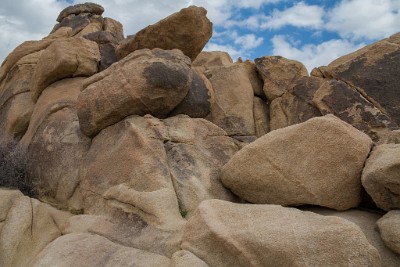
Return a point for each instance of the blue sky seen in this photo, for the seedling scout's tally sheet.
(313, 32)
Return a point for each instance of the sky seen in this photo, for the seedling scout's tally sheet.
(310, 31)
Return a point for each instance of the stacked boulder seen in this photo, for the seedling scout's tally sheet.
(146, 151)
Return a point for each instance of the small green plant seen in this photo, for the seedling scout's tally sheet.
(183, 213)
(13, 172)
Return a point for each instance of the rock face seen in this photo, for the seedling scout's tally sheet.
(283, 167)
(381, 176)
(147, 82)
(143, 161)
(227, 234)
(188, 30)
(279, 74)
(389, 226)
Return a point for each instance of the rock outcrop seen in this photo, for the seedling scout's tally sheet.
(317, 162)
(227, 234)
(145, 150)
(188, 30)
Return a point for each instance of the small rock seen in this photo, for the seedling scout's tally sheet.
(389, 228)
(91, 8)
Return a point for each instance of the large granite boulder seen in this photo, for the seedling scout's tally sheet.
(279, 74)
(188, 30)
(91, 8)
(381, 176)
(373, 71)
(146, 82)
(227, 234)
(64, 58)
(316, 162)
(27, 226)
(389, 228)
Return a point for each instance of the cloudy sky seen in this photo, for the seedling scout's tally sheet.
(313, 32)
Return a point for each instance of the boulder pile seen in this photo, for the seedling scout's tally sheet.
(147, 151)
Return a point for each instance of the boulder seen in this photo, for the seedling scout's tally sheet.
(187, 30)
(27, 227)
(94, 250)
(373, 72)
(210, 59)
(64, 58)
(279, 74)
(183, 258)
(381, 176)
(107, 43)
(338, 98)
(227, 234)
(197, 102)
(91, 8)
(177, 160)
(233, 107)
(76, 24)
(389, 229)
(316, 162)
(114, 27)
(146, 82)
(296, 104)
(54, 143)
(366, 220)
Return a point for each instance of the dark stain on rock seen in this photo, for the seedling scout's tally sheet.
(160, 75)
(379, 81)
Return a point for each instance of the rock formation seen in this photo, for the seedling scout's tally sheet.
(147, 151)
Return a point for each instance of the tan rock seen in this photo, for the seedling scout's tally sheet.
(21, 51)
(255, 78)
(94, 250)
(227, 234)
(27, 227)
(147, 82)
(261, 117)
(316, 162)
(295, 105)
(55, 145)
(389, 228)
(187, 30)
(183, 258)
(209, 60)
(72, 57)
(373, 71)
(381, 176)
(114, 27)
(279, 74)
(233, 107)
(366, 220)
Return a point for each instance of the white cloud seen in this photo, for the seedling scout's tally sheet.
(370, 19)
(299, 15)
(312, 55)
(249, 41)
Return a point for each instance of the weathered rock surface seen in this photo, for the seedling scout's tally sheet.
(227, 234)
(261, 117)
(107, 43)
(373, 71)
(389, 228)
(366, 220)
(146, 82)
(93, 250)
(27, 226)
(296, 104)
(336, 97)
(80, 8)
(233, 107)
(54, 143)
(381, 176)
(72, 57)
(316, 162)
(187, 30)
(176, 160)
(279, 74)
(208, 60)
(183, 258)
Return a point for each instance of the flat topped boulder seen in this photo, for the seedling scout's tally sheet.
(80, 8)
(187, 30)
